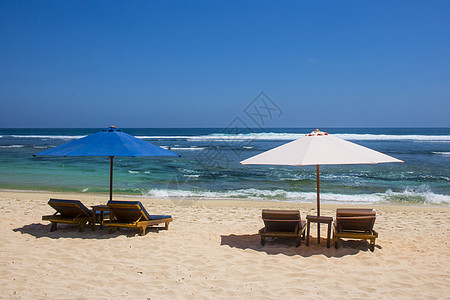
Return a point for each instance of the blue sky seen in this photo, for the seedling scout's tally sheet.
(200, 63)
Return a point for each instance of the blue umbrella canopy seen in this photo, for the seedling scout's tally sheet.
(109, 142)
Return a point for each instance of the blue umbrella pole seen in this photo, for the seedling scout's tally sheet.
(111, 178)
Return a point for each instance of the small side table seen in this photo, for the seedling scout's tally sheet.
(318, 220)
(102, 209)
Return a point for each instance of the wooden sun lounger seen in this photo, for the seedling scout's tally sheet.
(355, 223)
(68, 212)
(282, 224)
(132, 214)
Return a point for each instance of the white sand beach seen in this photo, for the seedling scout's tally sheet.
(212, 251)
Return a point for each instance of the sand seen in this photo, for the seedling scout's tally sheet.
(212, 251)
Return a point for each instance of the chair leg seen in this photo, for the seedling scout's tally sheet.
(54, 227)
(299, 242)
(82, 227)
(335, 240)
(263, 241)
(307, 232)
(167, 226)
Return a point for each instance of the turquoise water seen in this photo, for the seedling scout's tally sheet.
(209, 166)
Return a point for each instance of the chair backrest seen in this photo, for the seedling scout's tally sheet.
(128, 211)
(281, 220)
(70, 208)
(355, 219)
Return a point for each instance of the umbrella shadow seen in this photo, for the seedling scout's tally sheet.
(287, 246)
(39, 230)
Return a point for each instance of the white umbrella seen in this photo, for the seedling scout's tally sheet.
(319, 148)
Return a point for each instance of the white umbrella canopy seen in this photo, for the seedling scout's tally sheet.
(319, 148)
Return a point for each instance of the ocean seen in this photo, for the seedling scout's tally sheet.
(209, 166)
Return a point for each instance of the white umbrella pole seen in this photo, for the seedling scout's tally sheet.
(111, 178)
(318, 201)
(318, 190)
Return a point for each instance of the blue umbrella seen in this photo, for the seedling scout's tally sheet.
(109, 142)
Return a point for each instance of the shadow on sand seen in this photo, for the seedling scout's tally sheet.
(287, 246)
(39, 230)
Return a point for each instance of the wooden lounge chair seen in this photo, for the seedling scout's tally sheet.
(69, 212)
(132, 214)
(355, 223)
(284, 224)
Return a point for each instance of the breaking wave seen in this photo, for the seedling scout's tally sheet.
(58, 137)
(294, 136)
(408, 196)
(13, 146)
(262, 136)
(442, 153)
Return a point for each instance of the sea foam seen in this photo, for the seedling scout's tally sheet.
(408, 196)
(13, 146)
(442, 153)
(58, 137)
(294, 136)
(263, 136)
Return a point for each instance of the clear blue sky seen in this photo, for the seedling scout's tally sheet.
(199, 63)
